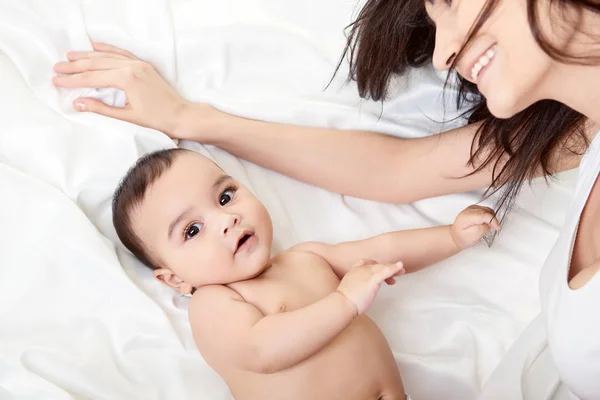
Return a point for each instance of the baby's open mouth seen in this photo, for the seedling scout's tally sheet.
(242, 241)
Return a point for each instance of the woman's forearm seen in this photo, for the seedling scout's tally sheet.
(358, 163)
(340, 161)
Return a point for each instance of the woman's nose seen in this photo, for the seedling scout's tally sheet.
(447, 45)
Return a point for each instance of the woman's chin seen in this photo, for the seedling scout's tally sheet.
(504, 105)
(501, 113)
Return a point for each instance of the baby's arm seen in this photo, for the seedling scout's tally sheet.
(416, 248)
(227, 330)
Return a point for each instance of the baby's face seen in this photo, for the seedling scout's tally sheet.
(202, 225)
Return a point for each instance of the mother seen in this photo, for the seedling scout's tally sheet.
(530, 73)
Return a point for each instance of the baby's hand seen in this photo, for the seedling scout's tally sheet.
(471, 224)
(361, 284)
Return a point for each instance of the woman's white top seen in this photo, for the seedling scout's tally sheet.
(558, 355)
(572, 317)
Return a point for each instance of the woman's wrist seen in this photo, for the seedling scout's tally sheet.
(199, 122)
(174, 120)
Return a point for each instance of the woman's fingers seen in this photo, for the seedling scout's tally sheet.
(102, 50)
(112, 49)
(112, 78)
(90, 64)
(80, 55)
(83, 104)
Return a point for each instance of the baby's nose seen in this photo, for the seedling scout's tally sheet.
(230, 222)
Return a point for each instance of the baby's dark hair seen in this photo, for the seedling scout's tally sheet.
(130, 193)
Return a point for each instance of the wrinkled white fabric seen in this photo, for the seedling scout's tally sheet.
(81, 319)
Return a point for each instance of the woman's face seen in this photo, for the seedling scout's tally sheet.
(503, 58)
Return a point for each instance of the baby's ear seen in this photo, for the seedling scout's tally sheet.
(167, 277)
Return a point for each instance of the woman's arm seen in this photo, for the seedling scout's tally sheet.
(357, 163)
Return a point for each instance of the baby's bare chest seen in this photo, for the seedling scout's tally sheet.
(294, 281)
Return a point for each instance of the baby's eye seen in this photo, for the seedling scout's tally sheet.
(226, 196)
(192, 230)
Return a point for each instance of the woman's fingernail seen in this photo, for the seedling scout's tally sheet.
(80, 106)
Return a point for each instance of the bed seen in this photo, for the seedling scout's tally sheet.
(81, 319)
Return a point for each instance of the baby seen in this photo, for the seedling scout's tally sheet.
(290, 326)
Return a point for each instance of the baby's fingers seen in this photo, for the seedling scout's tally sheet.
(495, 224)
(481, 215)
(392, 280)
(363, 262)
(381, 272)
(478, 230)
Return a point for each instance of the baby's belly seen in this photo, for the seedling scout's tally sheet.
(357, 365)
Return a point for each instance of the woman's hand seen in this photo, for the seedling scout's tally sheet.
(151, 101)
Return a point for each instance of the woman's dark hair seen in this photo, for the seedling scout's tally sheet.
(389, 36)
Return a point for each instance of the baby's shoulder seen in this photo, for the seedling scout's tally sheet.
(302, 257)
(212, 294)
(307, 251)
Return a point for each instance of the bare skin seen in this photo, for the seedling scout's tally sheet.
(356, 364)
(290, 326)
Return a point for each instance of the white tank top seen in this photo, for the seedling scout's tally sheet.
(572, 317)
(558, 355)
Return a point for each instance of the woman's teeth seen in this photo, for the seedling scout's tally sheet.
(482, 62)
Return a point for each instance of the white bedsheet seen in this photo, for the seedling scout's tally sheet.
(81, 319)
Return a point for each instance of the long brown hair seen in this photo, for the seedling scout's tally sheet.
(389, 36)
